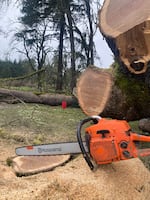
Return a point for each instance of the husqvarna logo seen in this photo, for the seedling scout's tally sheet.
(46, 150)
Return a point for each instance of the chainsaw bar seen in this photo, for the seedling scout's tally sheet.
(50, 149)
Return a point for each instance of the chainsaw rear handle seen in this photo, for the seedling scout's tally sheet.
(138, 137)
(141, 138)
(79, 138)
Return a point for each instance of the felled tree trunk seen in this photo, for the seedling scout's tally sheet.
(125, 24)
(13, 96)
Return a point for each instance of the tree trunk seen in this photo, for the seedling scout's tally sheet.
(14, 96)
(59, 83)
(41, 80)
(90, 60)
(73, 68)
(126, 26)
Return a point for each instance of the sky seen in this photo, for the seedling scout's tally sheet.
(8, 23)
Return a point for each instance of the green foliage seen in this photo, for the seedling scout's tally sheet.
(2, 133)
(135, 126)
(32, 7)
(39, 139)
(136, 91)
(9, 161)
(13, 69)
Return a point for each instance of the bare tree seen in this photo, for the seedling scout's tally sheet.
(36, 47)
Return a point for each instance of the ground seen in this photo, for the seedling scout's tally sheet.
(125, 180)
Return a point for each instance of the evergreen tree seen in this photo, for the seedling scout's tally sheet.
(65, 17)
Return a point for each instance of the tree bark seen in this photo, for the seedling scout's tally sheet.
(59, 83)
(126, 26)
(14, 96)
(73, 68)
(91, 43)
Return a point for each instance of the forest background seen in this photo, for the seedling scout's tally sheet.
(57, 41)
(57, 38)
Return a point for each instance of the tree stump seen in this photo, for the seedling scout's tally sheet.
(28, 165)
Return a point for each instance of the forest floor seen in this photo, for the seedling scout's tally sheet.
(28, 124)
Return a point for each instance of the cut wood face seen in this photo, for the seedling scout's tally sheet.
(119, 16)
(134, 48)
(28, 165)
(93, 90)
(128, 22)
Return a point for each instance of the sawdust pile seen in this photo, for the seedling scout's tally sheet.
(125, 180)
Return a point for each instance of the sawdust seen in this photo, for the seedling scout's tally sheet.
(126, 180)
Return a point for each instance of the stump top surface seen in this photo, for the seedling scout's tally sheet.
(26, 165)
(118, 16)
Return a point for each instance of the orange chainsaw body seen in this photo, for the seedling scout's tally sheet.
(113, 140)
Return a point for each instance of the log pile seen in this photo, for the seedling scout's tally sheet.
(125, 24)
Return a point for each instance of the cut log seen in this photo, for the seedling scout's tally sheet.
(14, 96)
(93, 90)
(126, 26)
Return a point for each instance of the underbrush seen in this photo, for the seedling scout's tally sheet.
(31, 123)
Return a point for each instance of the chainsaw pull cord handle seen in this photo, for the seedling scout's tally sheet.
(79, 138)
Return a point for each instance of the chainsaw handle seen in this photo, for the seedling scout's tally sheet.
(79, 138)
(141, 138)
(138, 137)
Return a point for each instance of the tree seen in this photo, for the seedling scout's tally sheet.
(91, 34)
(58, 18)
(9, 69)
(65, 17)
(59, 83)
(86, 32)
(37, 12)
(61, 12)
(72, 46)
(36, 46)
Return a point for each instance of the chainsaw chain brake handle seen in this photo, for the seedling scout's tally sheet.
(109, 141)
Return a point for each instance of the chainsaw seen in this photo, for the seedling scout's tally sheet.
(106, 140)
